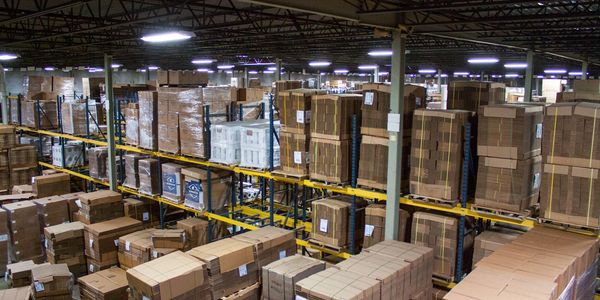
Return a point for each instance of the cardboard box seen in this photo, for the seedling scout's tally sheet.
(104, 285)
(72, 200)
(4, 240)
(295, 111)
(64, 244)
(50, 185)
(169, 238)
(74, 120)
(146, 211)
(587, 85)
(20, 176)
(173, 276)
(284, 85)
(52, 210)
(332, 115)
(22, 189)
(280, 277)
(195, 231)
(172, 182)
(332, 218)
(148, 111)
(168, 132)
(98, 158)
(330, 160)
(231, 265)
(135, 248)
(102, 240)
(132, 177)
(490, 240)
(195, 185)
(39, 114)
(294, 153)
(24, 226)
(51, 282)
(20, 273)
(375, 224)
(132, 130)
(270, 243)
(372, 163)
(470, 95)
(252, 94)
(8, 138)
(100, 206)
(338, 284)
(20, 293)
(148, 172)
(22, 156)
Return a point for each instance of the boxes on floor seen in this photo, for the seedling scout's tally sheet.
(169, 238)
(490, 240)
(51, 282)
(195, 231)
(146, 211)
(52, 210)
(280, 277)
(334, 283)
(270, 243)
(195, 185)
(24, 226)
(104, 285)
(135, 248)
(102, 241)
(64, 244)
(20, 273)
(100, 206)
(470, 95)
(50, 185)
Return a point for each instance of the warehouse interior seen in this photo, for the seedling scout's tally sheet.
(247, 149)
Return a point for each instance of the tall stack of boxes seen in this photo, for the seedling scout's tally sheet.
(375, 225)
(24, 226)
(132, 130)
(104, 285)
(50, 185)
(148, 112)
(280, 277)
(195, 230)
(52, 210)
(331, 136)
(64, 244)
(255, 138)
(52, 282)
(168, 122)
(331, 219)
(470, 95)
(102, 241)
(4, 240)
(148, 174)
(509, 146)
(135, 248)
(100, 206)
(18, 163)
(132, 175)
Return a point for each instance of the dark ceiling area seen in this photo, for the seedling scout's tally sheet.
(442, 34)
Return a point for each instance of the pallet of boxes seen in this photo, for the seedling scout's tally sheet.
(18, 163)
(331, 219)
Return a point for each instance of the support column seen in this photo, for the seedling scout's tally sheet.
(528, 77)
(584, 69)
(376, 74)
(3, 95)
(319, 81)
(246, 77)
(278, 69)
(110, 123)
(439, 80)
(394, 175)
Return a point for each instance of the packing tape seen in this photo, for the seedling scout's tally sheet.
(553, 165)
(453, 92)
(589, 206)
(335, 112)
(448, 160)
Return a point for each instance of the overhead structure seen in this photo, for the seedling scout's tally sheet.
(529, 77)
(110, 123)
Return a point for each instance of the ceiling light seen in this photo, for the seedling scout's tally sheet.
(168, 36)
(511, 75)
(319, 63)
(252, 72)
(210, 71)
(142, 70)
(575, 73)
(202, 61)
(461, 73)
(484, 60)
(115, 66)
(152, 68)
(340, 71)
(272, 68)
(224, 67)
(258, 64)
(427, 71)
(268, 71)
(205, 70)
(7, 56)
(383, 73)
(515, 65)
(380, 53)
(229, 72)
(94, 70)
(555, 71)
(5, 69)
(49, 68)
(444, 75)
(367, 67)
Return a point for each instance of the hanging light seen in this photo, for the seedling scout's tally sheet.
(171, 36)
(8, 56)
(202, 61)
(380, 53)
(483, 60)
(319, 63)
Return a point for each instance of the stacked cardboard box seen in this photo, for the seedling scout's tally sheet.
(51, 282)
(440, 233)
(172, 182)
(571, 158)
(20, 273)
(3, 241)
(195, 184)
(22, 156)
(470, 95)
(331, 134)
(17, 162)
(146, 211)
(251, 93)
(174, 276)
(74, 119)
(169, 239)
(168, 122)
(64, 244)
(284, 85)
(491, 240)
(102, 241)
(182, 77)
(23, 293)
(71, 151)
(195, 231)
(231, 265)
(331, 219)
(104, 285)
(39, 114)
(437, 153)
(100, 206)
(24, 226)
(225, 145)
(51, 185)
(295, 116)
(8, 138)
(72, 200)
(334, 283)
(509, 146)
(270, 244)
(132, 177)
(132, 130)
(148, 173)
(439, 294)
(148, 111)
(98, 158)
(540, 264)
(375, 225)
(280, 277)
(135, 248)
(21, 175)
(52, 210)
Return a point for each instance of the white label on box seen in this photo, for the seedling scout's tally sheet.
(282, 254)
(46, 243)
(127, 246)
(418, 101)
(145, 216)
(154, 254)
(300, 298)
(230, 229)
(369, 230)
(78, 202)
(323, 225)
(538, 130)
(297, 157)
(6, 276)
(300, 117)
(91, 242)
(32, 180)
(91, 268)
(39, 287)
(369, 98)
(243, 270)
(393, 124)
(4, 237)
(116, 242)
(145, 298)
(536, 180)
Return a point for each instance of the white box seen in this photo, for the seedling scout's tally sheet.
(225, 153)
(73, 154)
(257, 135)
(259, 157)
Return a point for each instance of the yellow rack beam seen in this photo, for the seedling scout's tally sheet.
(249, 211)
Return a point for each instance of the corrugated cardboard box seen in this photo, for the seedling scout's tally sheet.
(24, 226)
(270, 243)
(64, 244)
(72, 200)
(330, 160)
(22, 156)
(50, 185)
(20, 293)
(195, 231)
(45, 119)
(587, 85)
(20, 273)
(195, 185)
(375, 225)
(172, 182)
(147, 211)
(102, 240)
(490, 240)
(100, 206)
(104, 285)
(52, 210)
(332, 218)
(3, 240)
(331, 115)
(284, 85)
(173, 276)
(132, 177)
(169, 238)
(148, 172)
(280, 277)
(294, 153)
(135, 248)
(132, 130)
(51, 282)
(148, 103)
(372, 163)
(7, 136)
(98, 159)
(338, 284)
(470, 95)
(295, 110)
(21, 175)
(231, 265)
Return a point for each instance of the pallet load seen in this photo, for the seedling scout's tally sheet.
(509, 146)
(331, 136)
(132, 176)
(107, 284)
(100, 206)
(135, 248)
(225, 143)
(4, 240)
(132, 130)
(270, 244)
(491, 240)
(587, 90)
(20, 273)
(280, 277)
(182, 77)
(102, 241)
(98, 158)
(174, 276)
(195, 230)
(285, 85)
(64, 244)
(169, 239)
(74, 118)
(295, 115)
(148, 173)
(148, 111)
(18, 163)
(16, 293)
(375, 225)
(172, 182)
(571, 163)
(72, 200)
(254, 145)
(334, 283)
(331, 219)
(168, 122)
(441, 233)
(52, 282)
(372, 169)
(51, 185)
(231, 265)
(39, 114)
(52, 211)
(195, 181)
(436, 156)
(146, 211)
(68, 155)
(470, 95)
(8, 138)
(24, 226)
(543, 263)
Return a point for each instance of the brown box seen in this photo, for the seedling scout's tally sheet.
(511, 131)
(64, 244)
(24, 226)
(20, 176)
(470, 95)
(20, 273)
(21, 293)
(437, 153)
(74, 120)
(331, 219)
(270, 243)
(372, 164)
(148, 111)
(251, 94)
(294, 153)
(331, 115)
(195, 231)
(172, 182)
(148, 172)
(110, 284)
(169, 238)
(132, 178)
(587, 85)
(294, 110)
(231, 265)
(195, 184)
(102, 240)
(173, 276)
(22, 156)
(45, 119)
(3, 241)
(100, 206)
(52, 210)
(135, 248)
(51, 282)
(280, 277)
(72, 200)
(490, 240)
(22, 189)
(132, 130)
(334, 283)
(284, 85)
(146, 211)
(375, 225)
(168, 132)
(330, 160)
(50, 185)
(98, 159)
(8, 138)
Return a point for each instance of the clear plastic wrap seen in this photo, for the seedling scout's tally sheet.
(148, 114)
(47, 116)
(585, 286)
(97, 158)
(74, 119)
(14, 111)
(148, 172)
(34, 140)
(34, 85)
(73, 154)
(132, 131)
(132, 178)
(225, 143)
(254, 144)
(64, 86)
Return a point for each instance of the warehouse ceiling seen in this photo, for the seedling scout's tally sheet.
(443, 34)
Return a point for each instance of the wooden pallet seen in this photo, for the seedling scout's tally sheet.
(503, 213)
(444, 279)
(437, 201)
(330, 183)
(336, 249)
(290, 175)
(372, 185)
(569, 227)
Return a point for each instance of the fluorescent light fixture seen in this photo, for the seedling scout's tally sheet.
(340, 71)
(94, 70)
(444, 75)
(268, 71)
(511, 75)
(319, 63)
(380, 53)
(205, 70)
(540, 77)
(461, 73)
(210, 71)
(258, 64)
(272, 68)
(515, 65)
(49, 68)
(427, 71)
(7, 56)
(383, 73)
(5, 69)
(367, 67)
(322, 73)
(575, 73)
(483, 60)
(229, 72)
(168, 36)
(225, 67)
(115, 66)
(143, 70)
(152, 68)
(252, 72)
(555, 71)
(202, 61)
